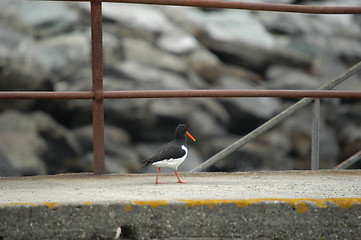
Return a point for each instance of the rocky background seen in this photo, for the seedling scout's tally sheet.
(46, 46)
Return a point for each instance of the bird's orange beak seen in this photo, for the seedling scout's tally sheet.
(190, 136)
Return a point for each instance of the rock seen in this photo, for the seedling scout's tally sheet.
(178, 42)
(143, 52)
(36, 144)
(298, 129)
(338, 34)
(62, 149)
(282, 77)
(267, 152)
(205, 64)
(113, 50)
(204, 125)
(234, 26)
(21, 65)
(21, 147)
(351, 141)
(247, 113)
(6, 169)
(239, 38)
(150, 78)
(120, 156)
(346, 123)
(66, 54)
(45, 18)
(189, 19)
(138, 18)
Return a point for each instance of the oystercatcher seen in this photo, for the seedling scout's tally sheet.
(173, 153)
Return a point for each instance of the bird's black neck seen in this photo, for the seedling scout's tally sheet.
(181, 138)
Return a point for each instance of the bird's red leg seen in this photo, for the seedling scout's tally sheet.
(157, 176)
(179, 180)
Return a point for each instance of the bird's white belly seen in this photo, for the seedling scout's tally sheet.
(172, 162)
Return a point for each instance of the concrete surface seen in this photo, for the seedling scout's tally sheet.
(254, 205)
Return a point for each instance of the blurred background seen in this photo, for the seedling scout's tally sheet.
(46, 46)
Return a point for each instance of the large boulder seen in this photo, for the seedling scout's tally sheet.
(35, 144)
(65, 54)
(22, 68)
(20, 145)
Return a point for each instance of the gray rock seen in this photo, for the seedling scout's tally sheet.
(62, 150)
(338, 34)
(204, 125)
(258, 58)
(247, 113)
(189, 19)
(66, 54)
(150, 78)
(298, 129)
(22, 67)
(20, 145)
(234, 26)
(45, 18)
(268, 152)
(178, 42)
(205, 64)
(6, 169)
(145, 53)
(282, 77)
(351, 139)
(138, 17)
(35, 144)
(120, 156)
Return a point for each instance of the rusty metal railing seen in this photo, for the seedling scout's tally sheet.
(98, 94)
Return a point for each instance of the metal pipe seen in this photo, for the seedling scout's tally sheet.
(232, 93)
(180, 94)
(348, 162)
(245, 6)
(275, 120)
(45, 95)
(315, 149)
(97, 80)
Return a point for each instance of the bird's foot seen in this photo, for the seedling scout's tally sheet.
(157, 182)
(180, 181)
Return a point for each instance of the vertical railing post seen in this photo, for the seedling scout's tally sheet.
(97, 79)
(315, 151)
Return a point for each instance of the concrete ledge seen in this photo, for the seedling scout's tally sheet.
(216, 213)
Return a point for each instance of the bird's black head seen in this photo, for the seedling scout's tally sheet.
(181, 132)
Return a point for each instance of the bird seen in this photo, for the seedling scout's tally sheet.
(172, 154)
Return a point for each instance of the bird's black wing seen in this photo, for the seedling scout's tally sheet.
(167, 151)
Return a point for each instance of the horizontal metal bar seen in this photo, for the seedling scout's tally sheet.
(348, 162)
(232, 93)
(45, 95)
(245, 5)
(181, 94)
